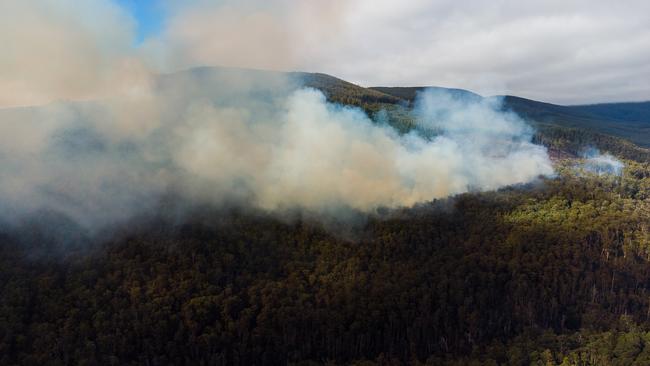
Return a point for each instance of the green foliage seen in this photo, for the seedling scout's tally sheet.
(630, 121)
(549, 274)
(573, 142)
(553, 273)
(343, 92)
(567, 130)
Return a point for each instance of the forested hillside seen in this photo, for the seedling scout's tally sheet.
(526, 274)
(626, 120)
(629, 121)
(555, 272)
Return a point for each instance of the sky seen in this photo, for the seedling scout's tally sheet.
(565, 52)
(150, 16)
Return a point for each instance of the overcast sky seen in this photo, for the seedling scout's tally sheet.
(564, 52)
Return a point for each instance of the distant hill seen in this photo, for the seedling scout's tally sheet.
(626, 120)
(344, 92)
(409, 93)
(210, 81)
(568, 128)
(631, 112)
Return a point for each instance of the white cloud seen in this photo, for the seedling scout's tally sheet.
(573, 51)
(558, 51)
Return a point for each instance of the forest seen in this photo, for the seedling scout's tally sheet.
(554, 272)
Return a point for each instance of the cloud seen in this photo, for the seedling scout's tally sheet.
(559, 51)
(566, 52)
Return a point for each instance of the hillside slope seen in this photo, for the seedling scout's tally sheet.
(600, 125)
(208, 81)
(493, 278)
(627, 120)
(410, 93)
(630, 121)
(552, 272)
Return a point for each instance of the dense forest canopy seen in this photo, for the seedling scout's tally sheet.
(547, 273)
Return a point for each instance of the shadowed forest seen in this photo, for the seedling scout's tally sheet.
(553, 272)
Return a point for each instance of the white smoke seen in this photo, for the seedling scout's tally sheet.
(601, 164)
(131, 136)
(217, 136)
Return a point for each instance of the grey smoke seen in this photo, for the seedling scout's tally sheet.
(601, 164)
(259, 139)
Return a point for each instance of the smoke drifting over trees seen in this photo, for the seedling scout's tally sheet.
(231, 216)
(101, 135)
(600, 164)
(216, 135)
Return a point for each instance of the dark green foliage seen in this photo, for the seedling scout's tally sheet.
(626, 120)
(410, 93)
(575, 142)
(343, 92)
(630, 112)
(474, 278)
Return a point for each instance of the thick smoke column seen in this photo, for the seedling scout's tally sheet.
(316, 155)
(215, 136)
(104, 137)
(489, 147)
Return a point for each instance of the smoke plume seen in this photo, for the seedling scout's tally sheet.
(103, 137)
(601, 164)
(260, 138)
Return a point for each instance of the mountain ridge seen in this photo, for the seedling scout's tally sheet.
(628, 120)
